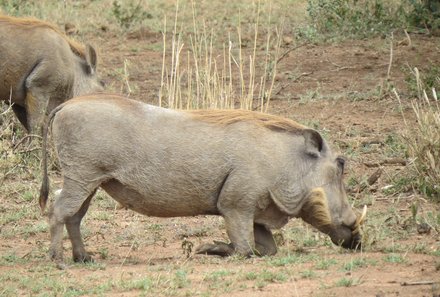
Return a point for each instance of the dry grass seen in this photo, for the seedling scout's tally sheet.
(199, 76)
(423, 140)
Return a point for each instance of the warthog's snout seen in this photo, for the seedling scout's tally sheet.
(350, 237)
(346, 238)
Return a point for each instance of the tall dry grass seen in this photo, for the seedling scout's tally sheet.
(197, 76)
(423, 140)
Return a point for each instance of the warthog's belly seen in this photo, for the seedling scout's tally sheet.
(153, 205)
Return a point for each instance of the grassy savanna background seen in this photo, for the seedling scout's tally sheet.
(363, 73)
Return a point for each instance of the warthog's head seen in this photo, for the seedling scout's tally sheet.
(86, 78)
(324, 202)
(327, 208)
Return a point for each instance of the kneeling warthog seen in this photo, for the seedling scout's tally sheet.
(41, 68)
(255, 170)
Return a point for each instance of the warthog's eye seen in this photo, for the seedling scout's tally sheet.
(341, 163)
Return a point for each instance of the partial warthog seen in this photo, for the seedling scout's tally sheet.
(256, 170)
(41, 68)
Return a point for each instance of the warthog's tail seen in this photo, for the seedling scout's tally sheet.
(44, 190)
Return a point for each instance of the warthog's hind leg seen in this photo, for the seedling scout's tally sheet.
(68, 208)
(73, 228)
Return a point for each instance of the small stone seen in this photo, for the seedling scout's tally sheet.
(423, 228)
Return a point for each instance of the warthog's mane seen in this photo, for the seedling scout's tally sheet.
(317, 208)
(30, 23)
(231, 116)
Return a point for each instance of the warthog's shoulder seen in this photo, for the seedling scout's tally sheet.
(228, 117)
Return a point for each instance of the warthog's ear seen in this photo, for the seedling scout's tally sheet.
(91, 58)
(313, 142)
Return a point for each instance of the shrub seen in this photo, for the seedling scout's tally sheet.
(128, 13)
(424, 13)
(364, 18)
(354, 17)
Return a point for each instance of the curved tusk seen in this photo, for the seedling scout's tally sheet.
(362, 217)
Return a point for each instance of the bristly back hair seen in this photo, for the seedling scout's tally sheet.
(28, 22)
(231, 116)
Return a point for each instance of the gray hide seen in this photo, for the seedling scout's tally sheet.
(168, 163)
(41, 68)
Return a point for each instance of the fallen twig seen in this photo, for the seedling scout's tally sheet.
(419, 283)
(290, 50)
(24, 138)
(392, 161)
(372, 179)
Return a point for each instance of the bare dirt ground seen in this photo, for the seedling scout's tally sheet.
(342, 91)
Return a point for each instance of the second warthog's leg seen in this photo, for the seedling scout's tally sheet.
(45, 90)
(35, 109)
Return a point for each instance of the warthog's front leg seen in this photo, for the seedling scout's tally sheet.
(240, 231)
(21, 114)
(45, 90)
(264, 244)
(36, 105)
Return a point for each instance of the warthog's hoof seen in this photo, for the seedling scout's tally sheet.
(82, 258)
(217, 248)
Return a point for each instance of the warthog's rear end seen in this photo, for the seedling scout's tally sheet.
(255, 170)
(41, 68)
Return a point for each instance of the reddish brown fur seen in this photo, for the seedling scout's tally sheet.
(228, 117)
(30, 23)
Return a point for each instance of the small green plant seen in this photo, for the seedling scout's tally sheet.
(394, 258)
(347, 282)
(283, 261)
(420, 248)
(103, 253)
(215, 276)
(325, 264)
(136, 284)
(180, 279)
(10, 259)
(251, 275)
(355, 263)
(308, 274)
(270, 276)
(128, 13)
